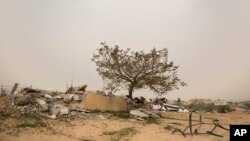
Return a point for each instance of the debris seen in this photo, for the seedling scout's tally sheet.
(151, 114)
(76, 102)
(41, 102)
(183, 110)
(13, 92)
(200, 123)
(58, 97)
(76, 97)
(68, 97)
(137, 103)
(79, 110)
(138, 118)
(101, 117)
(170, 107)
(157, 107)
(76, 90)
(30, 90)
(54, 111)
(47, 96)
(14, 89)
(52, 116)
(96, 101)
(23, 100)
(62, 109)
(138, 113)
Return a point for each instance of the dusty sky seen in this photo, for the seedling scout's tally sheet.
(47, 43)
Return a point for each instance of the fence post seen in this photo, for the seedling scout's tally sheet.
(13, 92)
(1, 91)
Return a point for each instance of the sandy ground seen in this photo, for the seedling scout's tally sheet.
(115, 129)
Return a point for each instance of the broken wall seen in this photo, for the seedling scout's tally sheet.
(96, 101)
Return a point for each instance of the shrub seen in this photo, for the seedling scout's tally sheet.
(120, 114)
(207, 108)
(223, 109)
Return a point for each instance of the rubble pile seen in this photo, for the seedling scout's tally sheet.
(77, 103)
(138, 102)
(142, 114)
(161, 104)
(50, 103)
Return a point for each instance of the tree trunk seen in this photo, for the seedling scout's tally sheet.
(130, 92)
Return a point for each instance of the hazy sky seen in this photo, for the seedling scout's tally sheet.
(46, 43)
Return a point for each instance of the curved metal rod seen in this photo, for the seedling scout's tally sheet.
(216, 123)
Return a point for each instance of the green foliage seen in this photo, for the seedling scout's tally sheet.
(244, 104)
(95, 111)
(135, 70)
(208, 108)
(247, 105)
(31, 121)
(120, 114)
(152, 121)
(212, 108)
(4, 116)
(118, 135)
(31, 125)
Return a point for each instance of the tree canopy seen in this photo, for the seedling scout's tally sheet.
(135, 70)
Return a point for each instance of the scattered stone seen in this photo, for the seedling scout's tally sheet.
(80, 110)
(23, 100)
(52, 116)
(76, 97)
(105, 116)
(139, 118)
(183, 110)
(138, 113)
(63, 110)
(54, 105)
(41, 102)
(157, 107)
(43, 105)
(150, 114)
(47, 96)
(101, 117)
(68, 97)
(54, 111)
(79, 92)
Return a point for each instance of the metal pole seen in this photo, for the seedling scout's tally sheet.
(190, 123)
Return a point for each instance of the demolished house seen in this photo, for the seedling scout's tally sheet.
(75, 102)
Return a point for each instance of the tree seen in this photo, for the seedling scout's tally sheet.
(135, 70)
